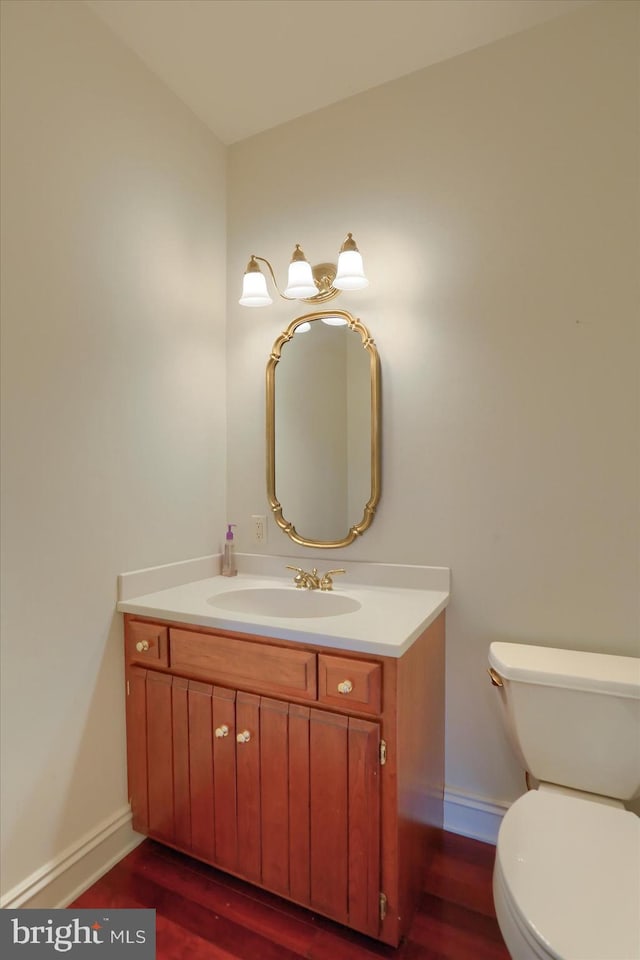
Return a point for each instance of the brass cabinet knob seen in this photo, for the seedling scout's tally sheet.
(222, 731)
(142, 646)
(345, 687)
(244, 737)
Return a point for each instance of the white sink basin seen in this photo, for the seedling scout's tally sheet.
(284, 602)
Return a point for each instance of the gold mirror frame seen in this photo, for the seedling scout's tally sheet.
(374, 365)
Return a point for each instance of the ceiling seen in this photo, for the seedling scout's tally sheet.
(244, 66)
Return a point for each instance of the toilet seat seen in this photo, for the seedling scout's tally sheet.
(568, 875)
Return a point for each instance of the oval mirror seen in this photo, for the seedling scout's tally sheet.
(323, 425)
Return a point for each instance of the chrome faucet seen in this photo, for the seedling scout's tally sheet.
(311, 581)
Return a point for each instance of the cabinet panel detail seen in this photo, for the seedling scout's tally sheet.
(160, 755)
(350, 684)
(137, 748)
(274, 767)
(201, 769)
(248, 787)
(242, 663)
(328, 777)
(299, 803)
(181, 789)
(224, 778)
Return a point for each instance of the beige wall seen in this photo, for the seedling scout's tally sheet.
(495, 200)
(112, 398)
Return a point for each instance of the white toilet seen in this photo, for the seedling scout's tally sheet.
(566, 881)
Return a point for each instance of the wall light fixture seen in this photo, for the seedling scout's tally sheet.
(316, 284)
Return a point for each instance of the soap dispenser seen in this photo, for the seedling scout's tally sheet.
(229, 568)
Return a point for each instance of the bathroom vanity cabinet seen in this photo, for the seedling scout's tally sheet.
(314, 772)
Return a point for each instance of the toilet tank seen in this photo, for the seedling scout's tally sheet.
(573, 717)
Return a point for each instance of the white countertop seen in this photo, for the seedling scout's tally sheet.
(388, 621)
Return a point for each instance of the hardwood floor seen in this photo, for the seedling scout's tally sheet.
(203, 914)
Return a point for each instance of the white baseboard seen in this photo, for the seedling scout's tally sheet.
(64, 878)
(472, 816)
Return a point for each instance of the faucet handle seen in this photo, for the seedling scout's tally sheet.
(326, 583)
(299, 579)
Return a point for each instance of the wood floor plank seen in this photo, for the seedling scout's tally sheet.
(457, 932)
(204, 914)
(217, 896)
(210, 925)
(341, 944)
(173, 942)
(458, 873)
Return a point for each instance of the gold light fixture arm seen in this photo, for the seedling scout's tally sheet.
(252, 268)
(323, 275)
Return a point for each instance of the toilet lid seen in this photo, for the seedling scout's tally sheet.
(572, 871)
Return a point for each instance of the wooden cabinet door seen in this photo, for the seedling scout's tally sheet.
(344, 810)
(364, 826)
(157, 755)
(285, 795)
(318, 807)
(319, 810)
(329, 813)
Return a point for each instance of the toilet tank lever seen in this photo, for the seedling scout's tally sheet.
(496, 679)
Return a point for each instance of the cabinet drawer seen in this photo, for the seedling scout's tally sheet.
(241, 663)
(355, 683)
(147, 643)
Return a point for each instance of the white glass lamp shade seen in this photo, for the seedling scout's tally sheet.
(254, 290)
(300, 281)
(350, 275)
(334, 321)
